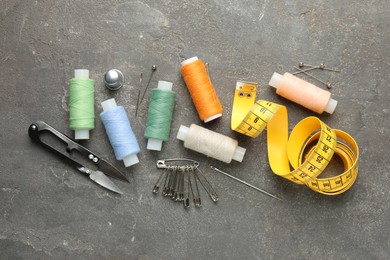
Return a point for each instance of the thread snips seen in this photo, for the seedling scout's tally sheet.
(75, 153)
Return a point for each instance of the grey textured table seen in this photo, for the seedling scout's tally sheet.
(48, 210)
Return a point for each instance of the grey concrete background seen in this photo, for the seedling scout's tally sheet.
(48, 210)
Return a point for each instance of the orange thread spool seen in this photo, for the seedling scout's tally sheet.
(303, 93)
(202, 91)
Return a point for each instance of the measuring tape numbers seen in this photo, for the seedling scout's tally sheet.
(308, 150)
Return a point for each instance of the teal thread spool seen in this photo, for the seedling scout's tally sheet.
(81, 104)
(158, 124)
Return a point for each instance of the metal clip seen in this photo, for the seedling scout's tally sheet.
(180, 181)
(162, 164)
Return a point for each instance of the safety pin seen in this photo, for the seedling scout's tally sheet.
(166, 182)
(176, 184)
(176, 192)
(181, 180)
(159, 182)
(172, 180)
(161, 164)
(207, 186)
(197, 200)
(186, 201)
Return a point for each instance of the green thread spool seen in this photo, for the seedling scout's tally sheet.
(81, 103)
(158, 124)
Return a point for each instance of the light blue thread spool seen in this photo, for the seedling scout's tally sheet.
(119, 132)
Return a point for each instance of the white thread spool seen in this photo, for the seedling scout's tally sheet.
(211, 144)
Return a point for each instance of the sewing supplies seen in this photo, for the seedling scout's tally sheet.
(303, 93)
(304, 70)
(210, 143)
(321, 66)
(309, 149)
(207, 68)
(181, 181)
(160, 114)
(328, 85)
(139, 92)
(113, 79)
(245, 183)
(311, 67)
(81, 104)
(141, 98)
(201, 89)
(119, 132)
(36, 129)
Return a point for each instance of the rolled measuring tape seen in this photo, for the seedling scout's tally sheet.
(309, 149)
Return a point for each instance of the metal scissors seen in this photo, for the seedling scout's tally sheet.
(35, 130)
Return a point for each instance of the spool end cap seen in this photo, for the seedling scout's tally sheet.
(182, 133)
(108, 104)
(81, 74)
(211, 118)
(195, 58)
(154, 144)
(331, 106)
(275, 80)
(81, 134)
(164, 85)
(239, 154)
(130, 160)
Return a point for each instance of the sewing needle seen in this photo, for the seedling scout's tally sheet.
(243, 182)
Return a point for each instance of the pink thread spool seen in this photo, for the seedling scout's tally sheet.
(303, 93)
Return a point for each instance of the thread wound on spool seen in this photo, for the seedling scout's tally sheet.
(211, 144)
(81, 104)
(201, 89)
(303, 93)
(160, 114)
(119, 132)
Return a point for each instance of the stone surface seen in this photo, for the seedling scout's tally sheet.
(48, 210)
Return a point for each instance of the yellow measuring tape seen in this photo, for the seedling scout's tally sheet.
(309, 149)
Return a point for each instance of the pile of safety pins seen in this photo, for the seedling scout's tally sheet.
(180, 181)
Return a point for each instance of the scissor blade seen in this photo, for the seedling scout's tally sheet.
(108, 169)
(103, 180)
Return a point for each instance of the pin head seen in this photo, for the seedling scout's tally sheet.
(301, 64)
(113, 79)
(322, 66)
(154, 67)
